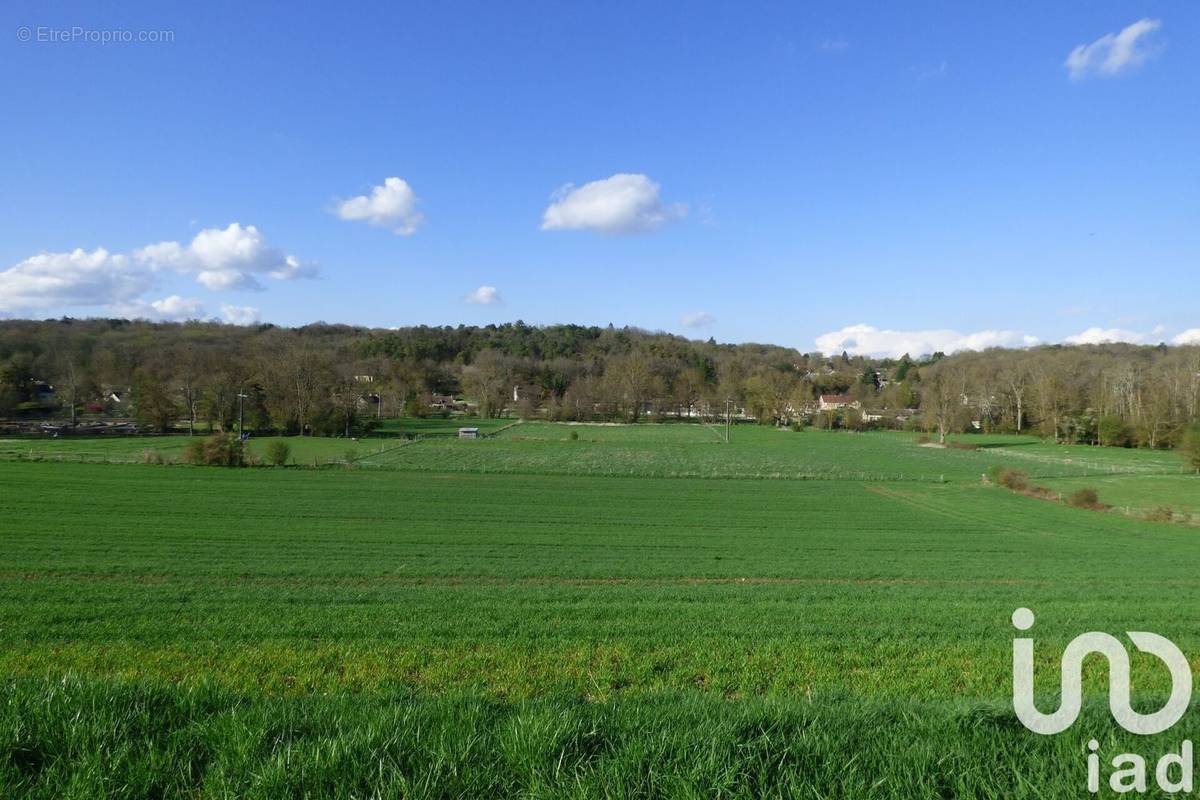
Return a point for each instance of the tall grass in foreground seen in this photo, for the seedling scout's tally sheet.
(73, 739)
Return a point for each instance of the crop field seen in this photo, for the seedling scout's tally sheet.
(633, 612)
(695, 451)
(305, 450)
(1045, 459)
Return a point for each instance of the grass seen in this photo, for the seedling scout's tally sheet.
(306, 450)
(132, 449)
(376, 580)
(687, 451)
(1044, 459)
(436, 426)
(1136, 494)
(696, 451)
(664, 451)
(458, 627)
(157, 740)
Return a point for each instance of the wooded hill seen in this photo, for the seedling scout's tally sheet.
(326, 379)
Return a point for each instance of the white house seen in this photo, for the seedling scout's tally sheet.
(833, 402)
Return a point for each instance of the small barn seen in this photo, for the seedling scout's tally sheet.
(468, 433)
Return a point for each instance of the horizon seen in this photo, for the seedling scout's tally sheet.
(879, 183)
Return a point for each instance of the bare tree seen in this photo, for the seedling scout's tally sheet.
(942, 398)
(631, 383)
(489, 379)
(1015, 376)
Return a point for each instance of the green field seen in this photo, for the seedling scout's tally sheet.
(633, 612)
(306, 450)
(1141, 493)
(438, 426)
(696, 451)
(134, 449)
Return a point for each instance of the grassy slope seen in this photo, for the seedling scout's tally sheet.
(529, 598)
(1138, 493)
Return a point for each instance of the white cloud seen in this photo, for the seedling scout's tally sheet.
(173, 309)
(699, 319)
(1097, 335)
(871, 341)
(484, 296)
(219, 280)
(78, 278)
(225, 258)
(1114, 53)
(219, 258)
(1190, 336)
(240, 315)
(623, 203)
(178, 308)
(392, 205)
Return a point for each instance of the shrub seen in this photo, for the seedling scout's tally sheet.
(1161, 514)
(1085, 498)
(1112, 431)
(218, 450)
(278, 452)
(1013, 479)
(1190, 445)
(193, 452)
(1040, 492)
(151, 456)
(574, 436)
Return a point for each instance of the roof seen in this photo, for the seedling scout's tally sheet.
(836, 398)
(468, 430)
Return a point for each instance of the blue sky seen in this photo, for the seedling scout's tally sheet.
(875, 177)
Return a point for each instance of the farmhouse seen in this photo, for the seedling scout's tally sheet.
(833, 402)
(445, 402)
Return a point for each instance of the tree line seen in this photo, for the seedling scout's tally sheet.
(323, 379)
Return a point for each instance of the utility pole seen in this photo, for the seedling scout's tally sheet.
(727, 402)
